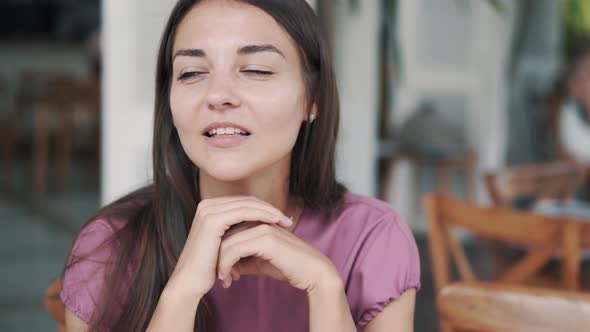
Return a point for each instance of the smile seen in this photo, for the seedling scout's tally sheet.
(228, 131)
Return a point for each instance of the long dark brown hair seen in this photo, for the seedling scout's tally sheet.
(158, 217)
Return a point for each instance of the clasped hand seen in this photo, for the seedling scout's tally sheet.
(235, 236)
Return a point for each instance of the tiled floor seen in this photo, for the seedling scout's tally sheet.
(35, 237)
(31, 255)
(34, 240)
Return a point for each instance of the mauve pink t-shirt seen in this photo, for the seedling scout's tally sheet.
(367, 241)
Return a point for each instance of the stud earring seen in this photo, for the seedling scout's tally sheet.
(311, 117)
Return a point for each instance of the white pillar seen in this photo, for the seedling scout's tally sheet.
(357, 60)
(131, 32)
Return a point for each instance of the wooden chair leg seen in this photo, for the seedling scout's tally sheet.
(570, 267)
(40, 147)
(8, 155)
(64, 147)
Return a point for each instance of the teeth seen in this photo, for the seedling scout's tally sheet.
(225, 131)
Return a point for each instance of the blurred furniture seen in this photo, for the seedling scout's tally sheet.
(556, 180)
(544, 236)
(547, 189)
(54, 305)
(444, 166)
(7, 134)
(51, 106)
(428, 138)
(68, 99)
(496, 307)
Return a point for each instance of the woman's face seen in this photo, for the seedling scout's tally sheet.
(237, 97)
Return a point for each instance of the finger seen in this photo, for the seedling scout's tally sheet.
(222, 200)
(228, 257)
(240, 228)
(235, 216)
(254, 203)
(246, 235)
(245, 201)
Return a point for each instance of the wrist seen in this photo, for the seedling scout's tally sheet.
(176, 290)
(175, 297)
(329, 284)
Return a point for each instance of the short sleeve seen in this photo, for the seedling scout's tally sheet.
(84, 278)
(386, 266)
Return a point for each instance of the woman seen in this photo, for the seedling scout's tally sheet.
(574, 112)
(245, 227)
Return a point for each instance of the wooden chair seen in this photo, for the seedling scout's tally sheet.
(557, 180)
(495, 307)
(54, 305)
(545, 236)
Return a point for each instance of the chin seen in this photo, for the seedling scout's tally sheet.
(228, 172)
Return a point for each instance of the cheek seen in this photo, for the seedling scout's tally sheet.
(282, 118)
(181, 104)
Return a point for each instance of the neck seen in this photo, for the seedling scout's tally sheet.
(271, 186)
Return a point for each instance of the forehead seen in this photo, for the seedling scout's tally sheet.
(228, 25)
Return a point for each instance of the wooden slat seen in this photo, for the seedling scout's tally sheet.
(458, 254)
(436, 244)
(497, 223)
(570, 271)
(528, 266)
(53, 303)
(488, 306)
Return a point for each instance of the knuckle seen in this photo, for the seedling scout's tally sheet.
(202, 204)
(204, 216)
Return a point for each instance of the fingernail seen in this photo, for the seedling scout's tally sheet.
(221, 276)
(288, 221)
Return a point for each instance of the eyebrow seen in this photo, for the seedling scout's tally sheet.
(245, 50)
(251, 49)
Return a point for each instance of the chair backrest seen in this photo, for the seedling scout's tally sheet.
(545, 236)
(490, 306)
(54, 305)
(556, 180)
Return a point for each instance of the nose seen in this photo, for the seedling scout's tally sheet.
(221, 94)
